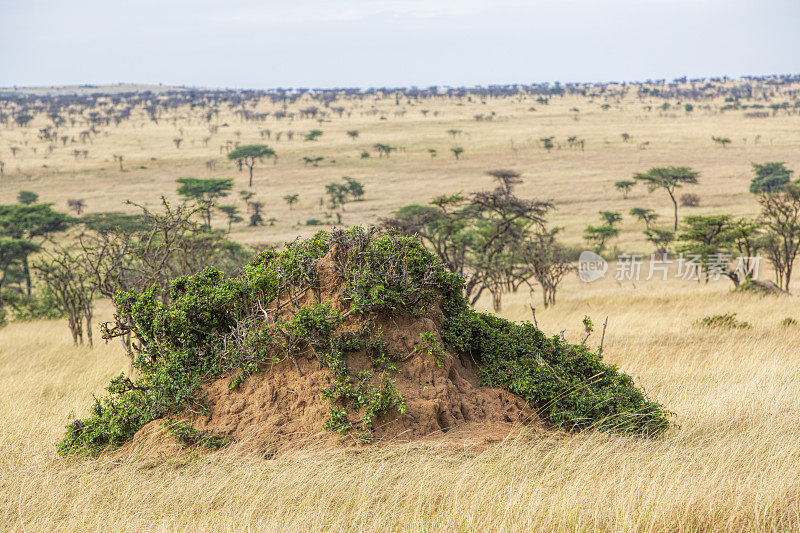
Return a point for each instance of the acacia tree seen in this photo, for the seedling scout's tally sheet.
(231, 212)
(598, 236)
(704, 237)
(34, 223)
(611, 217)
(480, 237)
(722, 141)
(205, 192)
(549, 262)
(13, 252)
(660, 237)
(337, 194)
(249, 154)
(27, 197)
(67, 278)
(340, 193)
(745, 237)
(77, 205)
(769, 177)
(780, 215)
(354, 188)
(669, 179)
(315, 161)
(313, 135)
(648, 216)
(716, 238)
(383, 149)
(625, 186)
(255, 207)
(291, 199)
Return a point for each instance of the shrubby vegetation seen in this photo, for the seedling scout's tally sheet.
(723, 245)
(598, 236)
(726, 320)
(769, 177)
(495, 240)
(109, 252)
(208, 325)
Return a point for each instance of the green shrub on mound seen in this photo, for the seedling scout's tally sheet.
(209, 326)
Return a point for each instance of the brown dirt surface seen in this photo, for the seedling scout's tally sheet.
(279, 408)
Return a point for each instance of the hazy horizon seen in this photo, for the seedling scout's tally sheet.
(100, 85)
(392, 43)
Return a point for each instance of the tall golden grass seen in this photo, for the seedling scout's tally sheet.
(733, 464)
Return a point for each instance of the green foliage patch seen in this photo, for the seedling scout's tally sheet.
(188, 436)
(568, 384)
(209, 325)
(725, 320)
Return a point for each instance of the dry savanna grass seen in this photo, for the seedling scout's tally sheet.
(731, 463)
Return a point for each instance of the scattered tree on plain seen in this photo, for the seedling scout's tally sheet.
(493, 238)
(76, 205)
(648, 216)
(249, 154)
(205, 192)
(669, 179)
(625, 186)
(769, 177)
(722, 141)
(291, 199)
(780, 216)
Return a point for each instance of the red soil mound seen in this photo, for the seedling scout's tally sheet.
(279, 407)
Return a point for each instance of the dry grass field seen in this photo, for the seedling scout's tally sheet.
(731, 463)
(734, 463)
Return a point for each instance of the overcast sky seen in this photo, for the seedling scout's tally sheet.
(371, 43)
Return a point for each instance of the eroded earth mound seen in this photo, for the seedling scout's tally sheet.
(349, 337)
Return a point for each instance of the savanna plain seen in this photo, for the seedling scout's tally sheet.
(731, 461)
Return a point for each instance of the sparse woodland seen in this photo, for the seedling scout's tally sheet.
(179, 245)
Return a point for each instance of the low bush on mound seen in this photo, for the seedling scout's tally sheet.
(278, 307)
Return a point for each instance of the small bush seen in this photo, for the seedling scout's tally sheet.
(189, 437)
(689, 200)
(760, 288)
(727, 320)
(27, 308)
(314, 222)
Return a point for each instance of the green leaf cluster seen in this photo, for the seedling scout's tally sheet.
(210, 325)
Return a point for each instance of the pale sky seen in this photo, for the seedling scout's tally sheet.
(375, 43)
